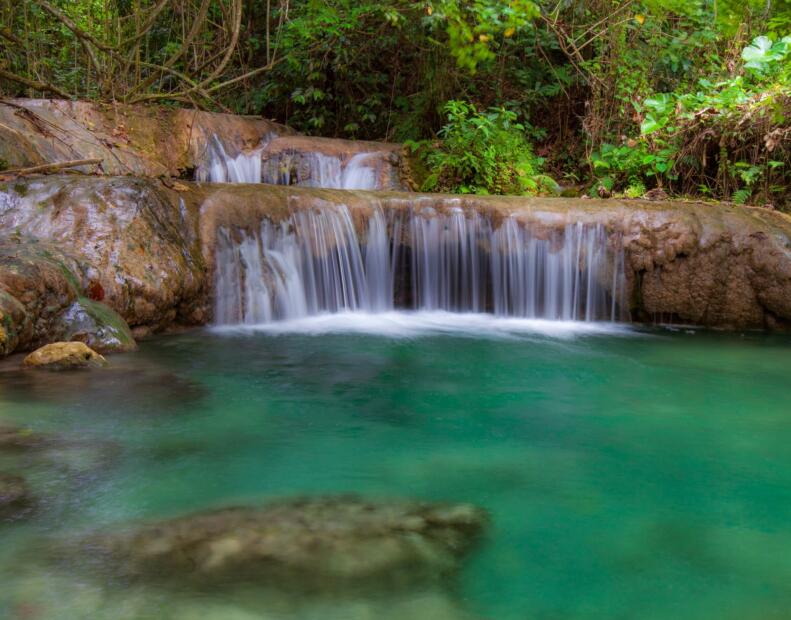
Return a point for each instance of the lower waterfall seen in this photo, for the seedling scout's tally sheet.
(316, 262)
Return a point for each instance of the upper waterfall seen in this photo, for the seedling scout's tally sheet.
(308, 168)
(316, 262)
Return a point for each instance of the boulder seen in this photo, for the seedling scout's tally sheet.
(16, 500)
(64, 356)
(323, 542)
(97, 325)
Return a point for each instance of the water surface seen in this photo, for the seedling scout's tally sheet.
(629, 473)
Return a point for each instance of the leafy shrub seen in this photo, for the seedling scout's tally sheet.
(481, 153)
(723, 138)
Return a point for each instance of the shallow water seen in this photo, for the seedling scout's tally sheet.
(628, 473)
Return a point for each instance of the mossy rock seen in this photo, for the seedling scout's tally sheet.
(13, 322)
(97, 325)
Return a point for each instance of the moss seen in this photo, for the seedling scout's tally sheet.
(73, 281)
(108, 319)
(21, 189)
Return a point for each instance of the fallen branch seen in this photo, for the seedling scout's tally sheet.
(48, 168)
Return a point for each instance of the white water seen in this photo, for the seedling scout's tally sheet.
(412, 324)
(319, 170)
(306, 169)
(220, 167)
(315, 263)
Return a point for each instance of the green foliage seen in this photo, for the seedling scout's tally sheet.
(677, 131)
(689, 95)
(483, 153)
(630, 164)
(472, 26)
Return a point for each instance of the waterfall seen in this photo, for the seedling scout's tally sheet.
(316, 262)
(318, 170)
(222, 168)
(309, 169)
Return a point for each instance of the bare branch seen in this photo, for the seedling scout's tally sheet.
(49, 168)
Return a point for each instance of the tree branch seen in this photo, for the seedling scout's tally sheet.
(53, 167)
(42, 86)
(66, 20)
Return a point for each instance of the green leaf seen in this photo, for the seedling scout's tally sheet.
(651, 124)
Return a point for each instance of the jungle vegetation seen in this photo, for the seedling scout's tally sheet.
(684, 97)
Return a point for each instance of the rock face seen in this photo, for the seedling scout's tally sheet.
(150, 141)
(41, 300)
(136, 140)
(16, 500)
(64, 356)
(313, 543)
(128, 243)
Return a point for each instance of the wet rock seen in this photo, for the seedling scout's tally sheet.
(130, 244)
(40, 301)
(294, 159)
(306, 543)
(64, 356)
(36, 285)
(16, 500)
(135, 389)
(96, 325)
(13, 320)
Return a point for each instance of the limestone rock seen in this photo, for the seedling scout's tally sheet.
(314, 542)
(127, 243)
(64, 356)
(140, 140)
(36, 285)
(16, 499)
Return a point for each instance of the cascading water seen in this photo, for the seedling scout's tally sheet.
(319, 170)
(315, 263)
(306, 169)
(222, 168)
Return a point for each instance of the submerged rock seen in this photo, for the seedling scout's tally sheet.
(312, 543)
(13, 438)
(64, 356)
(16, 500)
(135, 389)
